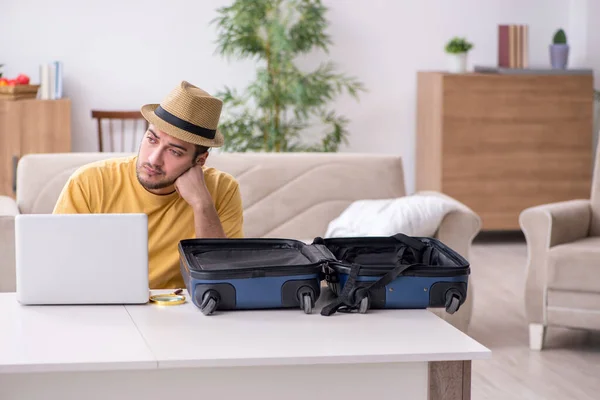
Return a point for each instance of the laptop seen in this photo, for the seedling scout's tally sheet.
(82, 258)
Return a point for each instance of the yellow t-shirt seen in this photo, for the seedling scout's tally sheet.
(111, 186)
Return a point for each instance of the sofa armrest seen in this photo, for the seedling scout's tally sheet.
(8, 206)
(458, 228)
(8, 211)
(546, 226)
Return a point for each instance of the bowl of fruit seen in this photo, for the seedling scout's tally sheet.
(18, 87)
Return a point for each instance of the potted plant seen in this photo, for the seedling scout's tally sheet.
(559, 50)
(285, 106)
(457, 49)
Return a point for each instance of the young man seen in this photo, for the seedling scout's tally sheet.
(166, 180)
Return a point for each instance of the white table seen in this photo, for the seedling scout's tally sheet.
(153, 352)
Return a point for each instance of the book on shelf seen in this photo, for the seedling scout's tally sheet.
(513, 46)
(51, 81)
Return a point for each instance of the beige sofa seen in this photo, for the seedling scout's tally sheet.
(563, 268)
(292, 195)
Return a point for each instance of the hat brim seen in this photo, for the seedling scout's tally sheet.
(171, 130)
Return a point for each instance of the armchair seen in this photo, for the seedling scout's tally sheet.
(563, 269)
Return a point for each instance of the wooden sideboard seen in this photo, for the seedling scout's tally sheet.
(31, 126)
(502, 143)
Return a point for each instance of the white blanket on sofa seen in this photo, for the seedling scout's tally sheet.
(415, 215)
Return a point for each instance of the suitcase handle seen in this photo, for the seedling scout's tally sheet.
(321, 252)
(410, 241)
(401, 237)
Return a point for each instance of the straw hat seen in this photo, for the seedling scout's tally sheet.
(188, 113)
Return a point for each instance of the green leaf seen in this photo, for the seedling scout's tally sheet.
(458, 45)
(282, 102)
(560, 37)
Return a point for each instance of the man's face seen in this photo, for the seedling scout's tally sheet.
(162, 159)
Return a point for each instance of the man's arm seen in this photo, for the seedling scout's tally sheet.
(206, 220)
(227, 221)
(221, 217)
(192, 187)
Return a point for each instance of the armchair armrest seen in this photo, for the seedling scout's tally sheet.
(546, 226)
(457, 231)
(8, 211)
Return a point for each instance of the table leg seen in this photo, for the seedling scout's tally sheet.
(450, 380)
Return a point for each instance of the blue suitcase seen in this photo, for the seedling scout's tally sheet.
(365, 272)
(394, 272)
(235, 274)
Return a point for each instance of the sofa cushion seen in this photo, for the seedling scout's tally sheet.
(575, 265)
(41, 178)
(296, 195)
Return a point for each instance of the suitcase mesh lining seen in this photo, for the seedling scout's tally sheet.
(250, 258)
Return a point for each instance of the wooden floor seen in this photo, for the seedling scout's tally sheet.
(568, 367)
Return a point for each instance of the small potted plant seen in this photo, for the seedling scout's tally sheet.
(457, 49)
(559, 50)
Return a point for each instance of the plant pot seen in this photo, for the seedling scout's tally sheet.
(457, 63)
(559, 56)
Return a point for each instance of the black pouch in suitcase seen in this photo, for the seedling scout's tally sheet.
(396, 272)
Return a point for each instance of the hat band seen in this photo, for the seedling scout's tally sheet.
(181, 124)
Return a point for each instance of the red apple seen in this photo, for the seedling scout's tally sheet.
(22, 79)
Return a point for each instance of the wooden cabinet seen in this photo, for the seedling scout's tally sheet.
(31, 126)
(502, 143)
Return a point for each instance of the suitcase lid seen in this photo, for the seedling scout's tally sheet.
(249, 257)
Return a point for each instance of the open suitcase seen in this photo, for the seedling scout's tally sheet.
(368, 272)
(394, 272)
(228, 274)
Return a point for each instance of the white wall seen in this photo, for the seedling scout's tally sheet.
(593, 38)
(124, 54)
(593, 57)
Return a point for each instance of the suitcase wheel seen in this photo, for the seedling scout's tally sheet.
(363, 307)
(210, 302)
(365, 302)
(452, 301)
(306, 299)
(307, 304)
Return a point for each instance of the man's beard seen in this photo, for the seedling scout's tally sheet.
(161, 184)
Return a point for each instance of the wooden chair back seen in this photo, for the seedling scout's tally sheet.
(123, 123)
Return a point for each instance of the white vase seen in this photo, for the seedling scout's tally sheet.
(457, 63)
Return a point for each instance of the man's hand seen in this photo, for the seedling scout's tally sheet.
(192, 187)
